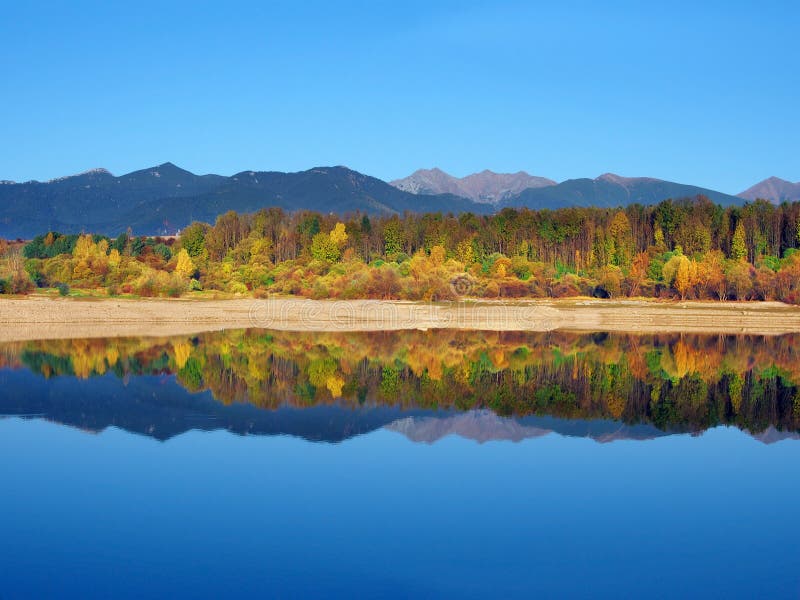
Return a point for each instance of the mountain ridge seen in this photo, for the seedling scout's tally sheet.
(774, 189)
(484, 186)
(609, 191)
(164, 198)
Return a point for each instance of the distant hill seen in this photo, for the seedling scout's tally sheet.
(774, 189)
(326, 189)
(165, 198)
(485, 186)
(611, 190)
(92, 200)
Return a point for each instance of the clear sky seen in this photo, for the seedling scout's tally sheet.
(708, 95)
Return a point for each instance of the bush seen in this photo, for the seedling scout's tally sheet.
(568, 286)
(319, 291)
(512, 288)
(5, 287)
(492, 290)
(237, 287)
(521, 267)
(145, 286)
(792, 297)
(158, 283)
(36, 276)
(63, 289)
(20, 283)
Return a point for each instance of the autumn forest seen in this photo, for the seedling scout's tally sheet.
(684, 249)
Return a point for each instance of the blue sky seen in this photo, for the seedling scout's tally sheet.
(698, 94)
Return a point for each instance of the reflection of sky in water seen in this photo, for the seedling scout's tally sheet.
(207, 514)
(122, 485)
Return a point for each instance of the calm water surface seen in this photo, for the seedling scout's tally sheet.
(417, 464)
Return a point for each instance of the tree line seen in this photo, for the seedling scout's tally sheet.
(684, 249)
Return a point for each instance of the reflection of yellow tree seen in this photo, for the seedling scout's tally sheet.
(182, 351)
(112, 355)
(335, 384)
(453, 369)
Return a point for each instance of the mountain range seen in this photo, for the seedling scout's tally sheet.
(485, 186)
(163, 199)
(608, 190)
(611, 190)
(166, 198)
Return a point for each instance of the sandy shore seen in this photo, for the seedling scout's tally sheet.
(49, 318)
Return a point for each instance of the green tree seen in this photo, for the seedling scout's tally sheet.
(193, 239)
(658, 236)
(739, 243)
(392, 238)
(324, 248)
(797, 232)
(621, 251)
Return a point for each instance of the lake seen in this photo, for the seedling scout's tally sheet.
(404, 464)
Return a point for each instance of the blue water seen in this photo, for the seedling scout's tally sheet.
(211, 514)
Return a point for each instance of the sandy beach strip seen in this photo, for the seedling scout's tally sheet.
(28, 318)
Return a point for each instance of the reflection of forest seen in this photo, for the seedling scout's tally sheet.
(673, 382)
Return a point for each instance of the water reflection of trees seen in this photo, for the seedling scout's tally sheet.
(671, 381)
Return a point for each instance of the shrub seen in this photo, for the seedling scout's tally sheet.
(319, 291)
(568, 286)
(20, 283)
(492, 290)
(792, 297)
(145, 286)
(521, 267)
(512, 288)
(36, 276)
(237, 287)
(63, 289)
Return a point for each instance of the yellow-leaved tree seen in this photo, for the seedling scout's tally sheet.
(114, 258)
(184, 267)
(339, 235)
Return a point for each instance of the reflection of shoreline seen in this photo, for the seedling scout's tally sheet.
(46, 318)
(669, 382)
(157, 408)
